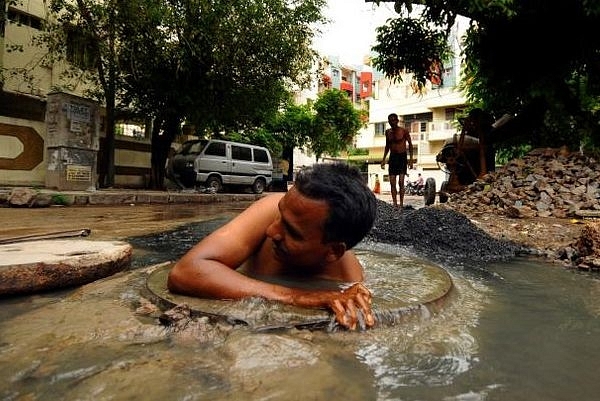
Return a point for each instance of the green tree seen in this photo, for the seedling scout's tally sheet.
(223, 67)
(219, 66)
(292, 128)
(335, 125)
(539, 61)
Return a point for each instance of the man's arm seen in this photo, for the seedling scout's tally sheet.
(387, 147)
(209, 269)
(410, 148)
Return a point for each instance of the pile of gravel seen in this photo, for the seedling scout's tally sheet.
(438, 233)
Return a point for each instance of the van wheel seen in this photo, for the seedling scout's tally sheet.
(259, 186)
(214, 183)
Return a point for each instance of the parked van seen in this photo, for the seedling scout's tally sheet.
(215, 163)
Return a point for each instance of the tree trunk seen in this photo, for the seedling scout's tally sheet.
(163, 134)
(288, 154)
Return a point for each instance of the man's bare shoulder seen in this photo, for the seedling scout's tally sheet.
(266, 204)
(272, 198)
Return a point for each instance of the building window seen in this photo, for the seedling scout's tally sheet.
(21, 18)
(81, 50)
(450, 113)
(380, 128)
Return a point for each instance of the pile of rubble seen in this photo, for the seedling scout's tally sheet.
(544, 183)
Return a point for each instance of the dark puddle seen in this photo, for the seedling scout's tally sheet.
(170, 245)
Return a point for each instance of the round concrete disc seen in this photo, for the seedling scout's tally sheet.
(403, 292)
(34, 266)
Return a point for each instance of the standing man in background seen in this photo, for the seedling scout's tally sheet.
(397, 142)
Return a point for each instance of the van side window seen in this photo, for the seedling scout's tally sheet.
(216, 149)
(241, 153)
(260, 155)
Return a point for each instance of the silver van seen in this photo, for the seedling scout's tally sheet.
(215, 163)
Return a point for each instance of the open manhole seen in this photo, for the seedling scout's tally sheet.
(402, 287)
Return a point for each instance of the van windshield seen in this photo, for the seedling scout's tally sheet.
(193, 147)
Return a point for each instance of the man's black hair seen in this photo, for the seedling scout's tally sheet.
(352, 204)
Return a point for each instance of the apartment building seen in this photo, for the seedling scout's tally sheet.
(430, 116)
(355, 80)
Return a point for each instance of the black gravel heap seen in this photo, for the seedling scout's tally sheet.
(439, 234)
(435, 233)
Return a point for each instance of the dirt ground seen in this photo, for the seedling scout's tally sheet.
(545, 234)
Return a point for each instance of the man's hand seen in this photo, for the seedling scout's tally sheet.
(346, 306)
(383, 164)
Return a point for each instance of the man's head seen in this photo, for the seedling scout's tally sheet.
(352, 205)
(393, 119)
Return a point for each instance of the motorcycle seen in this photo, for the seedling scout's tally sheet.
(411, 188)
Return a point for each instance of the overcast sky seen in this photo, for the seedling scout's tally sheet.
(351, 33)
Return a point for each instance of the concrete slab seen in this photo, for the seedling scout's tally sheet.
(35, 266)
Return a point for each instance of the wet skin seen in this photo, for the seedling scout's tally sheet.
(279, 235)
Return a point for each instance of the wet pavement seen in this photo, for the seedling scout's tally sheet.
(117, 214)
(114, 222)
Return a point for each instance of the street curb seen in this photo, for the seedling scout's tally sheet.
(47, 197)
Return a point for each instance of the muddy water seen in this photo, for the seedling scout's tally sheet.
(511, 331)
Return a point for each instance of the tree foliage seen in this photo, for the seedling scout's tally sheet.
(230, 63)
(399, 55)
(336, 123)
(536, 60)
(219, 66)
(326, 126)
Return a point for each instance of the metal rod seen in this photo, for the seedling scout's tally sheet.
(84, 232)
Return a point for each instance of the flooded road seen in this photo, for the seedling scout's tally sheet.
(511, 331)
(110, 222)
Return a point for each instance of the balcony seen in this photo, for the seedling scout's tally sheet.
(440, 131)
(346, 86)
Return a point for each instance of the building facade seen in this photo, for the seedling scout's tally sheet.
(29, 151)
(430, 116)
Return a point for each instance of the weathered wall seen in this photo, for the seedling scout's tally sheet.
(23, 147)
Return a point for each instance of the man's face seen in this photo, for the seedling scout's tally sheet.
(393, 120)
(297, 234)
